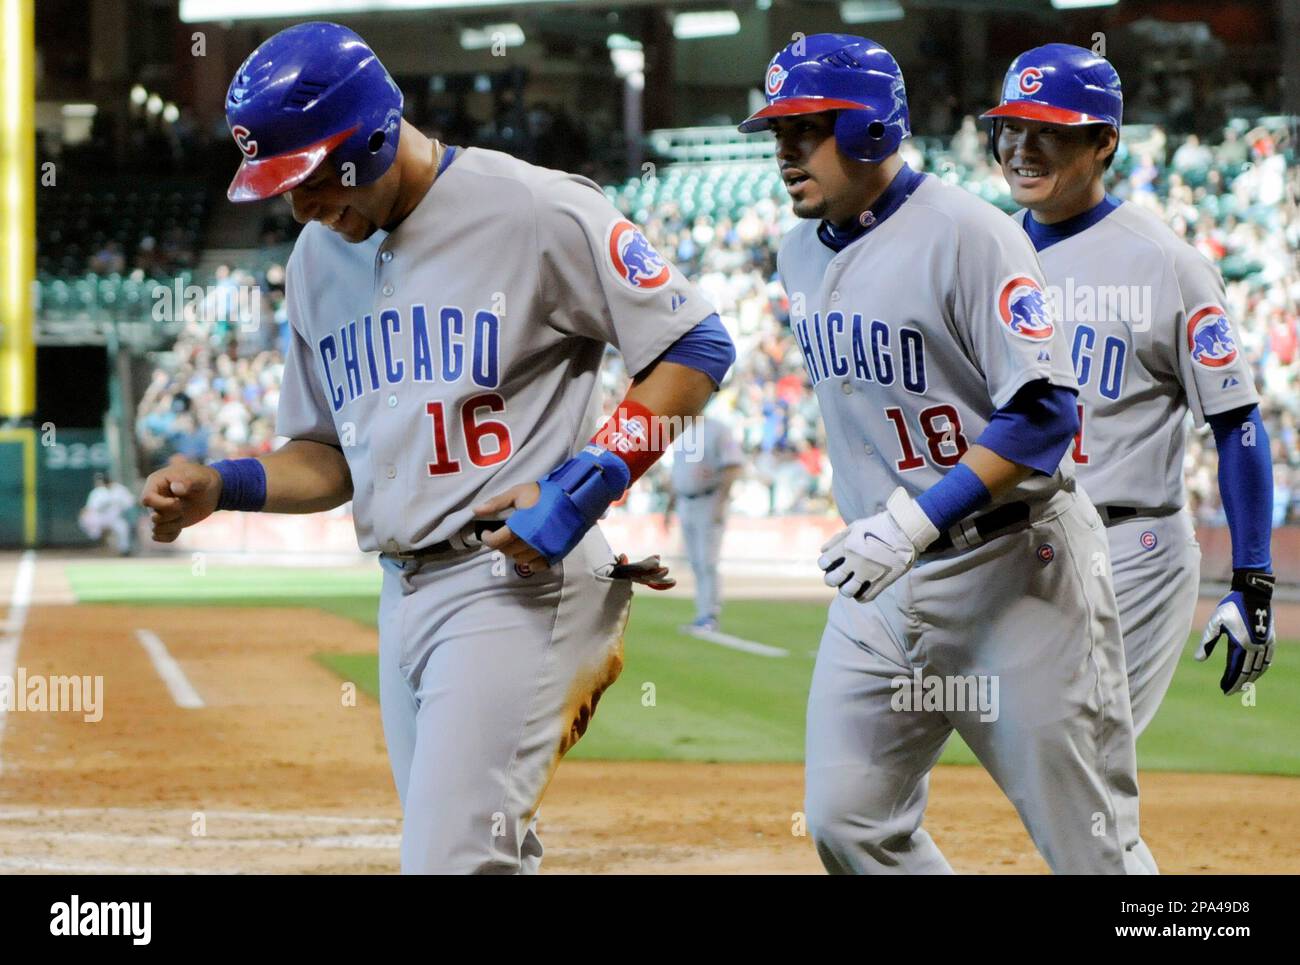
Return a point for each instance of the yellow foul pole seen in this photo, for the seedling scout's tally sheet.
(17, 209)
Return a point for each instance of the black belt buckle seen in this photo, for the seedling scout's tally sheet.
(996, 522)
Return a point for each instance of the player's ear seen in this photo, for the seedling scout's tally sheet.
(1107, 144)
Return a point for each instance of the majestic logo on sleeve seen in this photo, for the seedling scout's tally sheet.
(1209, 337)
(1030, 80)
(243, 139)
(633, 259)
(776, 75)
(1023, 309)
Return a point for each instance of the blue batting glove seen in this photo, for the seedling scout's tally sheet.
(1246, 616)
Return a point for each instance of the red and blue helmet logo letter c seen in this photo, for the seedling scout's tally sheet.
(1030, 80)
(241, 134)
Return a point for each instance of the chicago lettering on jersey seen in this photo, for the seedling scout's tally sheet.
(842, 346)
(446, 344)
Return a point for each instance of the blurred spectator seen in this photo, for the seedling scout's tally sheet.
(108, 260)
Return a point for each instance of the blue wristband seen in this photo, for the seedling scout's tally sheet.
(953, 498)
(243, 485)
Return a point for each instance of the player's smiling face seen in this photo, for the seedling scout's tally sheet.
(353, 212)
(821, 180)
(1052, 169)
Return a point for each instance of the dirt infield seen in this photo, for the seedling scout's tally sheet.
(276, 772)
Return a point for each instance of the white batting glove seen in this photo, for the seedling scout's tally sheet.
(872, 553)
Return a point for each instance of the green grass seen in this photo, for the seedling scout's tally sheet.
(352, 593)
(715, 704)
(203, 581)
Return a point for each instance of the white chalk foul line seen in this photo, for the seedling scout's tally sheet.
(24, 814)
(173, 676)
(19, 601)
(377, 842)
(739, 643)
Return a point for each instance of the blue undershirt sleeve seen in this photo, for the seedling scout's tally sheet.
(1245, 485)
(1036, 427)
(707, 348)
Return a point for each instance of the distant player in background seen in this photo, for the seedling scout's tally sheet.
(109, 509)
(706, 464)
(1151, 339)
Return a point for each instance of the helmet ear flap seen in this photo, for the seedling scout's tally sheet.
(863, 137)
(993, 140)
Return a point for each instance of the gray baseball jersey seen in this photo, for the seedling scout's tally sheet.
(1150, 339)
(914, 334)
(458, 355)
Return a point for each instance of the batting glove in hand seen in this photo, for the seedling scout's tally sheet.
(872, 553)
(648, 572)
(1246, 616)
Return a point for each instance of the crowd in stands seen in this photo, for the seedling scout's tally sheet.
(214, 394)
(1234, 198)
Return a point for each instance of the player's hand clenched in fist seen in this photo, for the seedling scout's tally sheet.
(180, 495)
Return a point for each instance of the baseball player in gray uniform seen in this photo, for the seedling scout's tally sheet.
(1150, 339)
(449, 310)
(706, 463)
(973, 588)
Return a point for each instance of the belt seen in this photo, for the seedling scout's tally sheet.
(469, 538)
(970, 533)
(1113, 514)
(701, 494)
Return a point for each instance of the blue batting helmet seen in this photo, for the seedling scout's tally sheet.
(839, 72)
(310, 90)
(1061, 84)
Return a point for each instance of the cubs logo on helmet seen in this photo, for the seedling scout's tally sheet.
(1030, 80)
(1061, 84)
(633, 259)
(776, 75)
(1023, 309)
(1209, 337)
(244, 141)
